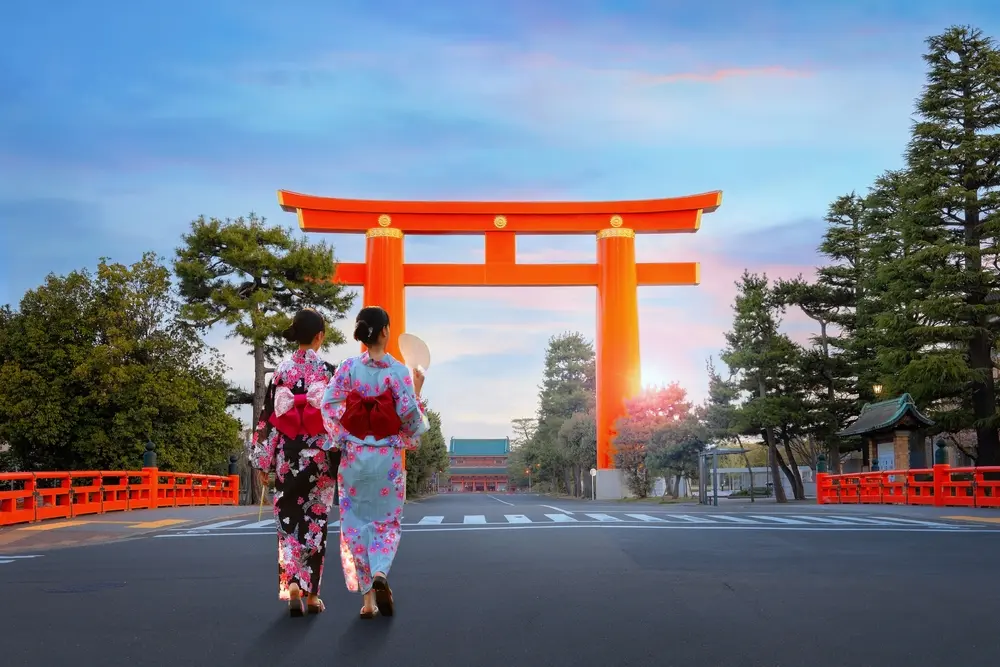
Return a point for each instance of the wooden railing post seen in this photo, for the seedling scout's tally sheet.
(942, 474)
(234, 479)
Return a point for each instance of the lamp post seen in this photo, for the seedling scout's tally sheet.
(877, 389)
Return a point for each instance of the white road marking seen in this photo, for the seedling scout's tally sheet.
(868, 522)
(21, 557)
(914, 522)
(603, 517)
(804, 528)
(690, 519)
(823, 519)
(500, 501)
(561, 518)
(222, 524)
(645, 517)
(266, 523)
(430, 520)
(777, 519)
(474, 518)
(677, 526)
(556, 509)
(516, 518)
(231, 533)
(731, 518)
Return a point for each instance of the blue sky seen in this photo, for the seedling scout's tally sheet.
(120, 122)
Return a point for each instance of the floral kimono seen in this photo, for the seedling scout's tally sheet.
(291, 441)
(372, 413)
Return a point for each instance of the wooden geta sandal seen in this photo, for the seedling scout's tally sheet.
(383, 596)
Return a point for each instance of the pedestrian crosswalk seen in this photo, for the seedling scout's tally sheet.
(433, 522)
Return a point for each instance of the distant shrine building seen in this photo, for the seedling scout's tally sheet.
(478, 465)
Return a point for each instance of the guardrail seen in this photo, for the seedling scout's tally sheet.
(28, 497)
(940, 486)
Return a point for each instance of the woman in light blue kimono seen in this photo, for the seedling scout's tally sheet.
(372, 410)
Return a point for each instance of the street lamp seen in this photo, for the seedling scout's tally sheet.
(877, 388)
(527, 471)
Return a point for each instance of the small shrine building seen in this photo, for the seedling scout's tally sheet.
(892, 434)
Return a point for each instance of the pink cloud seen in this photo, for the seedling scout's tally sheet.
(719, 75)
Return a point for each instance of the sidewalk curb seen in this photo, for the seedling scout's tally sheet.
(96, 538)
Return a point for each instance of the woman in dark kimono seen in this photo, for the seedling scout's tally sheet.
(291, 441)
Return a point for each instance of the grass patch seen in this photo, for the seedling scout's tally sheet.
(675, 501)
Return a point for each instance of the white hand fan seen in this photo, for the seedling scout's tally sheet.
(415, 352)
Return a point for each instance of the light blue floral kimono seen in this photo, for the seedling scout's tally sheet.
(371, 479)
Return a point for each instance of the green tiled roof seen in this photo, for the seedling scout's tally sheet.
(476, 471)
(483, 447)
(885, 415)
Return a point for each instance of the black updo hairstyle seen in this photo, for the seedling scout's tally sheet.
(369, 324)
(306, 324)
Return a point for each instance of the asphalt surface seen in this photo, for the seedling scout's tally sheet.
(652, 585)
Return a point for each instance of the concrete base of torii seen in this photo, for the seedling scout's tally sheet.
(611, 485)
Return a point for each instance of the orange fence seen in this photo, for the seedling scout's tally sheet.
(27, 497)
(940, 486)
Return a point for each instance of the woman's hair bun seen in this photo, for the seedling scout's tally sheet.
(305, 326)
(369, 325)
(362, 332)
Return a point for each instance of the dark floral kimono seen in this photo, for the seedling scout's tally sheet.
(291, 441)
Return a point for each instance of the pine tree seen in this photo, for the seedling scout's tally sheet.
(950, 270)
(253, 278)
(568, 383)
(839, 370)
(756, 352)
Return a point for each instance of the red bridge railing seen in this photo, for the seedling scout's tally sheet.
(27, 497)
(940, 486)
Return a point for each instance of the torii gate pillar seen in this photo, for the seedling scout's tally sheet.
(384, 284)
(617, 342)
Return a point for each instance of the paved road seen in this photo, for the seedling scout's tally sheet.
(675, 585)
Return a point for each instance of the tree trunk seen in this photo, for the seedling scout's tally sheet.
(787, 472)
(676, 491)
(833, 458)
(798, 489)
(984, 402)
(259, 390)
(772, 451)
(746, 459)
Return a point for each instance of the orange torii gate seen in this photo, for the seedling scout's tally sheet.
(616, 275)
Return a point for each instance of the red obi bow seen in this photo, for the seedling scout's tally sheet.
(375, 416)
(298, 415)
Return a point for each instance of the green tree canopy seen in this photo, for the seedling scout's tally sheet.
(430, 458)
(93, 366)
